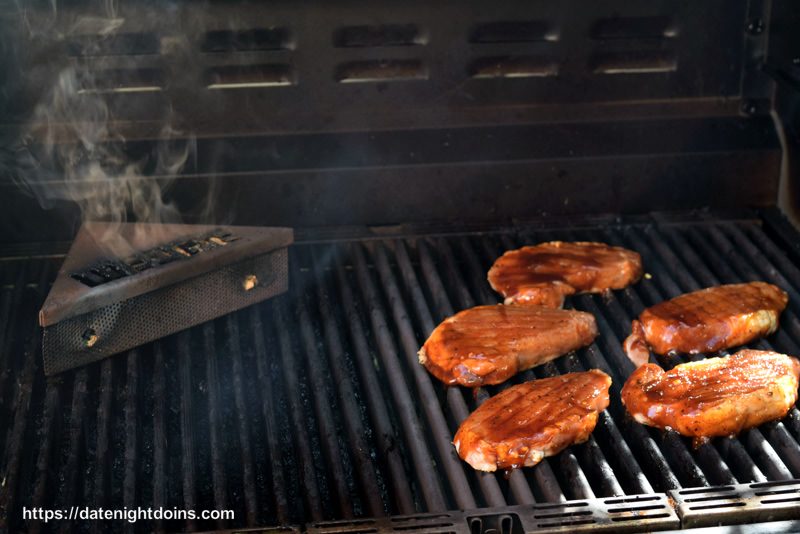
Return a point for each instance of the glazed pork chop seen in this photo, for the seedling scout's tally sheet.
(716, 396)
(546, 273)
(489, 344)
(527, 422)
(707, 320)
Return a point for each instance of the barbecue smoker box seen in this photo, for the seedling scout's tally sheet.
(172, 276)
(408, 144)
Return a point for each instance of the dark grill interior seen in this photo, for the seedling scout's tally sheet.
(312, 406)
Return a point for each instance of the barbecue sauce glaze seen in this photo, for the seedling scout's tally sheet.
(544, 274)
(716, 396)
(527, 422)
(708, 320)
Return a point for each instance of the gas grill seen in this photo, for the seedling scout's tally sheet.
(408, 145)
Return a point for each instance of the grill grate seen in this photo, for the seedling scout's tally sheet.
(312, 408)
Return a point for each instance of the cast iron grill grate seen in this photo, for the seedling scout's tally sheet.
(311, 407)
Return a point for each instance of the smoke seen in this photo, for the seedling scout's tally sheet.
(72, 150)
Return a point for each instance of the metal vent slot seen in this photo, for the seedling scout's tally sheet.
(123, 81)
(122, 44)
(417, 527)
(424, 517)
(639, 508)
(529, 31)
(560, 506)
(376, 36)
(719, 505)
(631, 499)
(381, 71)
(265, 530)
(702, 499)
(738, 504)
(775, 501)
(246, 40)
(513, 67)
(563, 514)
(568, 523)
(792, 484)
(657, 27)
(636, 518)
(654, 513)
(706, 490)
(634, 62)
(249, 76)
(776, 492)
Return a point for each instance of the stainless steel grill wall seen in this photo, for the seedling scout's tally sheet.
(294, 103)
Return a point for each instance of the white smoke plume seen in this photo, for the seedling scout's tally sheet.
(71, 149)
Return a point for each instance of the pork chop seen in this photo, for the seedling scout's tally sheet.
(527, 422)
(707, 321)
(715, 396)
(489, 344)
(546, 273)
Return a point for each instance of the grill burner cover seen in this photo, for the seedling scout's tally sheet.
(170, 277)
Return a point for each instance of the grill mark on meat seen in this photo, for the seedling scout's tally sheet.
(488, 344)
(716, 396)
(708, 320)
(527, 422)
(546, 273)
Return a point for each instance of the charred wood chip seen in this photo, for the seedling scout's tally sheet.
(108, 270)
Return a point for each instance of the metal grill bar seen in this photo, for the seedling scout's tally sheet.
(233, 348)
(159, 431)
(51, 415)
(387, 440)
(356, 432)
(71, 464)
(17, 460)
(12, 298)
(218, 475)
(101, 485)
(268, 409)
(129, 485)
(489, 487)
(322, 409)
(187, 426)
(423, 460)
(301, 439)
(313, 407)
